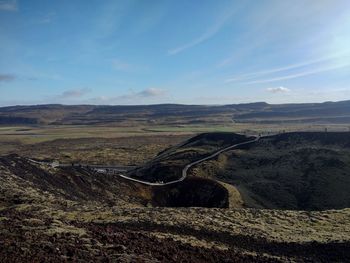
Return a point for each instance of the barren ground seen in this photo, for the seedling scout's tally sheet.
(55, 215)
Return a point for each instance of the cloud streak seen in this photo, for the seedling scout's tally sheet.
(303, 64)
(146, 93)
(119, 65)
(209, 33)
(47, 18)
(298, 70)
(122, 66)
(274, 70)
(7, 77)
(133, 97)
(298, 75)
(74, 93)
(8, 5)
(151, 92)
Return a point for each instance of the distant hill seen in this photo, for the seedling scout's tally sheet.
(332, 112)
(260, 112)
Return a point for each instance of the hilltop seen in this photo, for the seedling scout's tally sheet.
(174, 114)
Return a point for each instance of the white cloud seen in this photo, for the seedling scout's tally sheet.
(278, 90)
(146, 93)
(8, 5)
(74, 93)
(151, 92)
(143, 96)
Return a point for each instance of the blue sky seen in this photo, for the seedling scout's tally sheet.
(193, 52)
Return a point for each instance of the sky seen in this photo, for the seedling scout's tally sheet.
(157, 51)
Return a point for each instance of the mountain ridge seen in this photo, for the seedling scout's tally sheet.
(58, 114)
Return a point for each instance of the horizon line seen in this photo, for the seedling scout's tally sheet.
(160, 104)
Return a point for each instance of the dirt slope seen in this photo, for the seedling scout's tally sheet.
(21, 180)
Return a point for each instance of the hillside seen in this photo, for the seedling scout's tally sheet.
(327, 112)
(168, 165)
(296, 171)
(24, 182)
(299, 171)
(175, 114)
(54, 214)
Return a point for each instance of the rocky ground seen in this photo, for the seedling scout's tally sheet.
(296, 171)
(39, 233)
(75, 215)
(42, 221)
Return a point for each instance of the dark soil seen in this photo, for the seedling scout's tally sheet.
(115, 244)
(192, 192)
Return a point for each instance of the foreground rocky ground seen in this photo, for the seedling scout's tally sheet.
(100, 219)
(35, 233)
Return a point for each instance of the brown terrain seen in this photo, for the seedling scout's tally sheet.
(50, 214)
(172, 114)
(283, 198)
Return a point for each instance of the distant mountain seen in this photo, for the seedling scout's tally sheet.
(260, 112)
(316, 112)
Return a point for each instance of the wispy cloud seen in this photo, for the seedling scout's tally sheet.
(47, 18)
(146, 95)
(278, 90)
(209, 33)
(122, 66)
(292, 71)
(275, 70)
(10, 5)
(151, 92)
(74, 93)
(298, 75)
(272, 38)
(299, 65)
(12, 77)
(7, 77)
